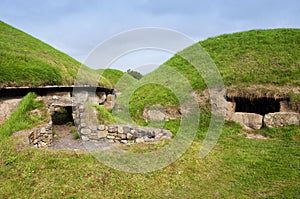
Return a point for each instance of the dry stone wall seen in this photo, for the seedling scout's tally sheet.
(41, 137)
(89, 129)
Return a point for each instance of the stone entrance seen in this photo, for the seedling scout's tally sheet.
(254, 113)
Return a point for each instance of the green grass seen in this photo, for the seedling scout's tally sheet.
(22, 118)
(252, 57)
(27, 61)
(257, 61)
(236, 168)
(104, 116)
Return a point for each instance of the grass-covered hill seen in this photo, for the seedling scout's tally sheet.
(263, 60)
(256, 63)
(27, 61)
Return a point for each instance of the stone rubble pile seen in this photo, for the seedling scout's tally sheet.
(41, 137)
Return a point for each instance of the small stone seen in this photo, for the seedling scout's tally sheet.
(120, 130)
(126, 129)
(101, 127)
(86, 131)
(110, 137)
(112, 129)
(43, 130)
(129, 136)
(84, 138)
(102, 134)
(124, 141)
(122, 136)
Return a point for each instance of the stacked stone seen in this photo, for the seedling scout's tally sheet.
(41, 137)
(90, 130)
(132, 134)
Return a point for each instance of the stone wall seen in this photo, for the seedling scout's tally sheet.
(42, 136)
(85, 118)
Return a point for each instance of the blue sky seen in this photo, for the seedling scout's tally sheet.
(77, 26)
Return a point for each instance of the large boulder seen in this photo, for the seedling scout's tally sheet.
(249, 121)
(280, 119)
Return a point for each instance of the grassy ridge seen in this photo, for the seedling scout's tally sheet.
(269, 59)
(25, 60)
(252, 57)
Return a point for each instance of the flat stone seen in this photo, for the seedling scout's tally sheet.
(112, 129)
(280, 119)
(110, 137)
(120, 130)
(249, 121)
(84, 138)
(85, 131)
(124, 141)
(129, 136)
(101, 127)
(102, 134)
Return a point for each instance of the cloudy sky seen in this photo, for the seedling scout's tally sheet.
(77, 26)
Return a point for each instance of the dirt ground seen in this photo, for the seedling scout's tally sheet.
(64, 139)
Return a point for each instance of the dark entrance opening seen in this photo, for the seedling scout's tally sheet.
(260, 106)
(63, 116)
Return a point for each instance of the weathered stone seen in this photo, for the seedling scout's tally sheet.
(284, 106)
(110, 137)
(126, 129)
(101, 127)
(166, 134)
(43, 130)
(102, 134)
(230, 109)
(218, 101)
(280, 119)
(86, 131)
(120, 130)
(84, 138)
(249, 121)
(122, 136)
(112, 129)
(124, 141)
(129, 136)
(156, 113)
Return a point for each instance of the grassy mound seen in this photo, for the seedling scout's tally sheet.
(27, 61)
(252, 57)
(254, 63)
